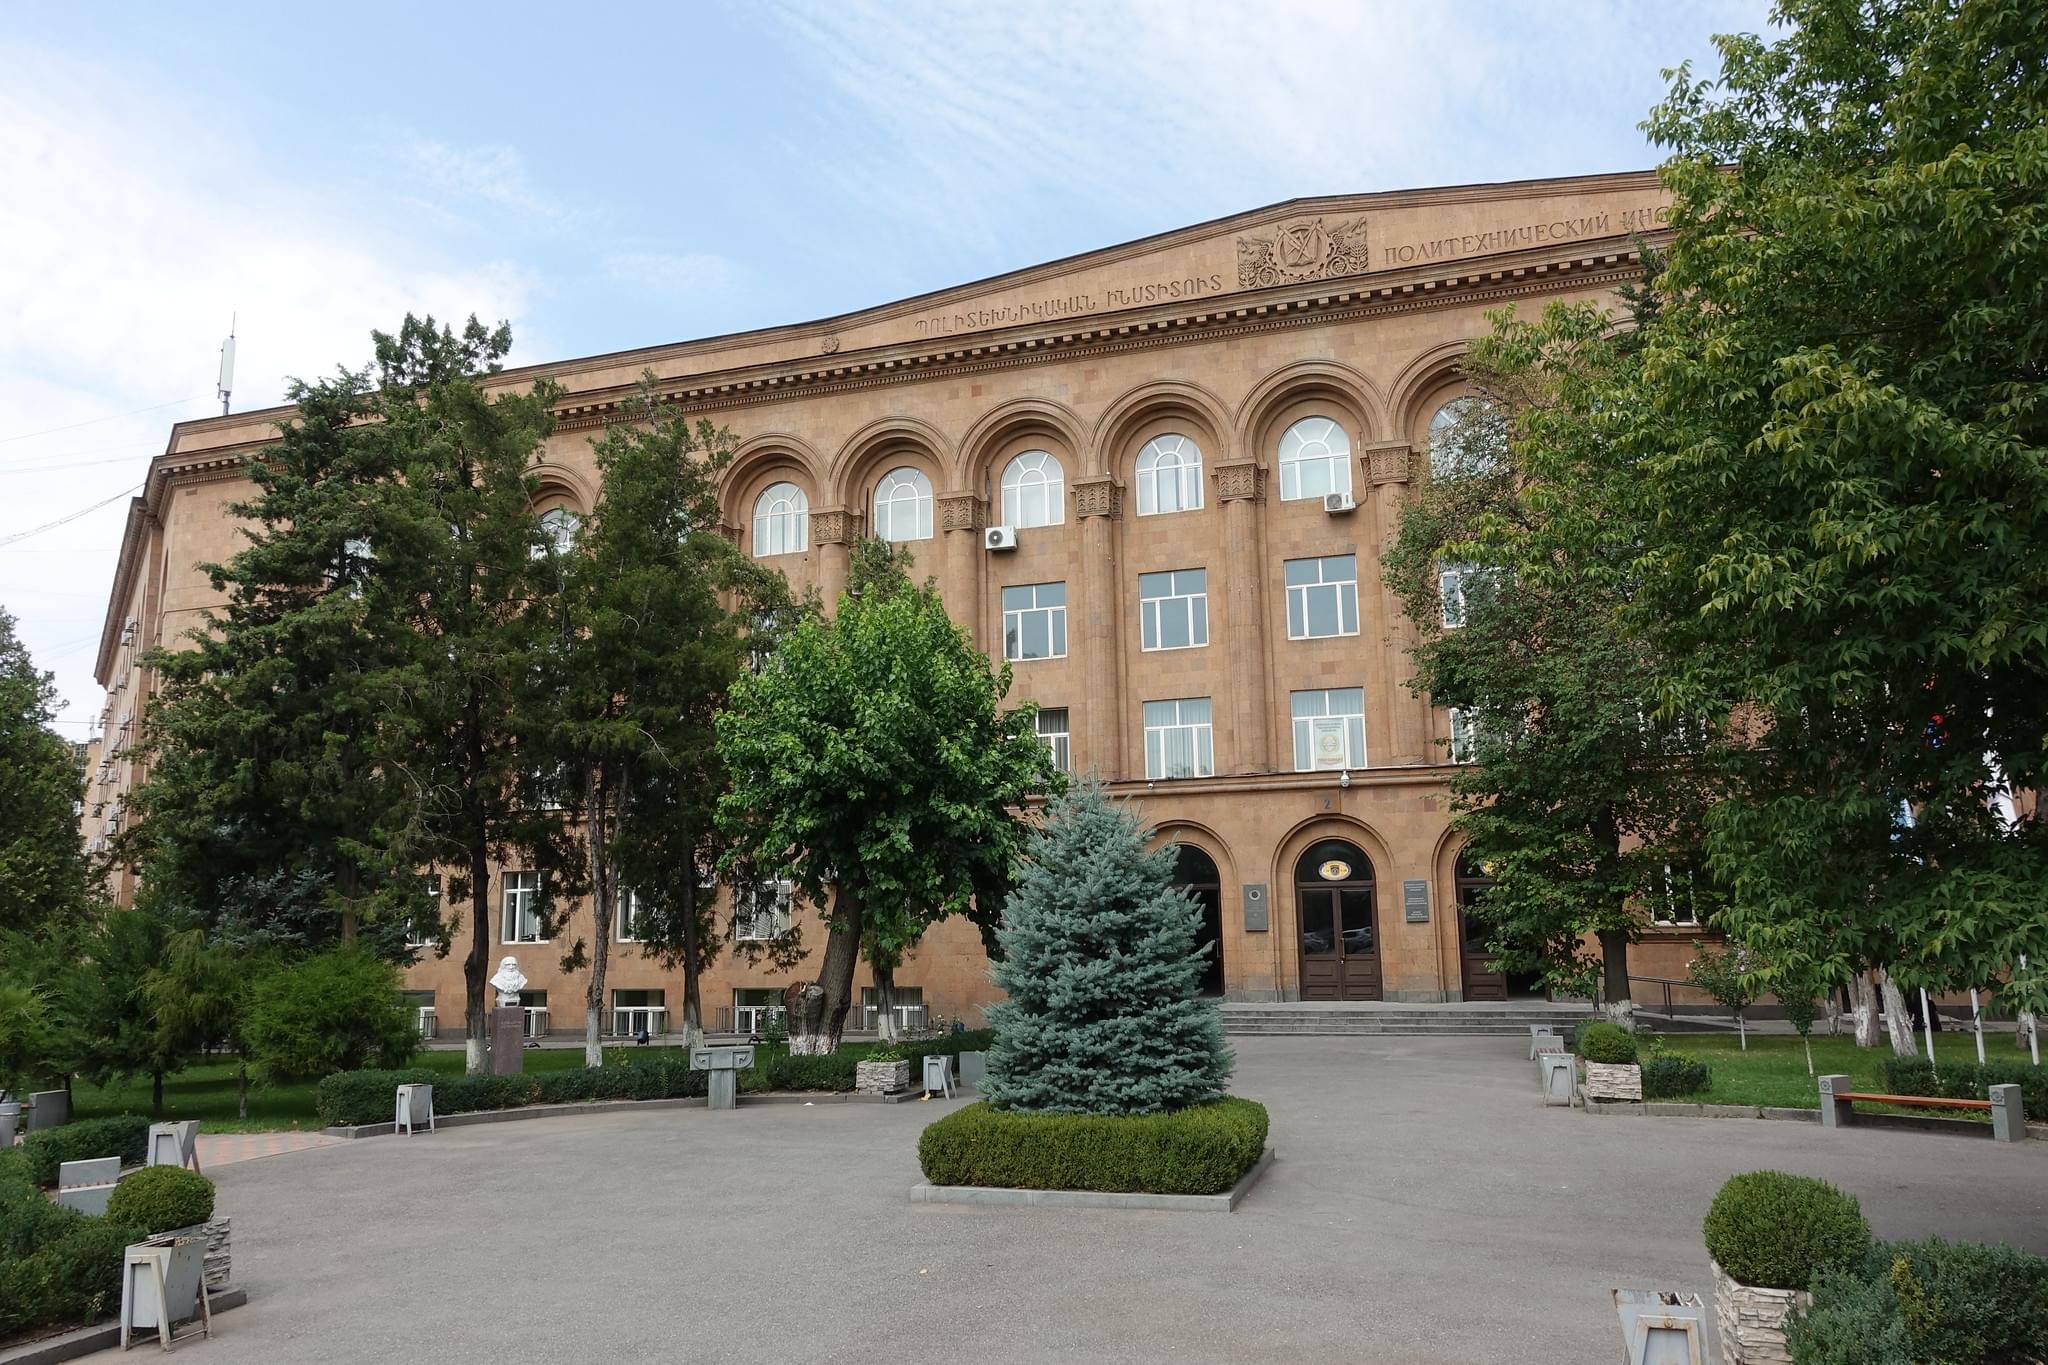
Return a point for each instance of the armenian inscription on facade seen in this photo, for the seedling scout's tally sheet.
(1069, 305)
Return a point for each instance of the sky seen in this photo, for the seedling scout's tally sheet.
(613, 176)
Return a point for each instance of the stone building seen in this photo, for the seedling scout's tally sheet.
(1158, 477)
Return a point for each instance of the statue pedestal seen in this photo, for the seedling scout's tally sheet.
(508, 1041)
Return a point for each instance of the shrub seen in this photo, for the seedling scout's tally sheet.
(1906, 1302)
(72, 1279)
(1778, 1231)
(353, 1097)
(124, 1135)
(1608, 1043)
(833, 1071)
(1203, 1149)
(336, 1011)
(160, 1199)
(1669, 1074)
(1969, 1081)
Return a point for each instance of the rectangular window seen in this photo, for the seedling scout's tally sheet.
(1035, 621)
(753, 1007)
(1329, 729)
(1173, 609)
(425, 929)
(1463, 732)
(763, 914)
(1322, 597)
(1678, 903)
(522, 908)
(626, 918)
(1451, 581)
(639, 1011)
(1052, 728)
(909, 1010)
(535, 1003)
(1179, 738)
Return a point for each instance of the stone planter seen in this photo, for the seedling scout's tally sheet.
(1752, 1320)
(1613, 1081)
(881, 1078)
(218, 1249)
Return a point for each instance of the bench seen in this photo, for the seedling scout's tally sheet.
(2008, 1121)
(1542, 1037)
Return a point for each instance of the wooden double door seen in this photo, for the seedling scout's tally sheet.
(1338, 923)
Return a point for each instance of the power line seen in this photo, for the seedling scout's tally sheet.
(110, 417)
(20, 536)
(60, 465)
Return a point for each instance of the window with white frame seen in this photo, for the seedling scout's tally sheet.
(1052, 728)
(782, 521)
(1452, 581)
(1173, 609)
(626, 918)
(1035, 621)
(522, 922)
(1466, 436)
(559, 527)
(635, 1012)
(1329, 729)
(908, 1008)
(762, 912)
(1315, 458)
(903, 505)
(1676, 900)
(425, 929)
(1169, 476)
(1322, 597)
(1464, 735)
(754, 1006)
(1034, 490)
(1179, 738)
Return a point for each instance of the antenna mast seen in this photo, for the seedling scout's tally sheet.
(227, 367)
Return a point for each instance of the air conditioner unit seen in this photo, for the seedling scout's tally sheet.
(1334, 503)
(1000, 538)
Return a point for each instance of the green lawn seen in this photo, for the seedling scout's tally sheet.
(207, 1092)
(1773, 1070)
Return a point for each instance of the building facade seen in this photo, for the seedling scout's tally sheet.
(1158, 479)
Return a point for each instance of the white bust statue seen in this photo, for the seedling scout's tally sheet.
(509, 981)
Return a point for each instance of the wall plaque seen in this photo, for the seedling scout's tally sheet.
(1415, 901)
(1254, 909)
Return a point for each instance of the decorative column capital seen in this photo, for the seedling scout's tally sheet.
(729, 532)
(1241, 481)
(1099, 495)
(1388, 462)
(962, 512)
(834, 526)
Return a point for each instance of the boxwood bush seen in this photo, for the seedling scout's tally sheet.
(160, 1199)
(1779, 1231)
(1969, 1081)
(352, 1097)
(124, 1135)
(1907, 1302)
(1608, 1043)
(58, 1268)
(1203, 1149)
(1670, 1074)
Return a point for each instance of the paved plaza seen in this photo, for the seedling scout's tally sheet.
(1424, 1208)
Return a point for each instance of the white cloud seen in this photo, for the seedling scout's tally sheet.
(688, 276)
(493, 176)
(133, 229)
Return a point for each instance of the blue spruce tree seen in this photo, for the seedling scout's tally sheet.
(1101, 966)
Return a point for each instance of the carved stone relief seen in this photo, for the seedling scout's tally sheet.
(1240, 481)
(1391, 462)
(1304, 249)
(962, 512)
(834, 526)
(1099, 496)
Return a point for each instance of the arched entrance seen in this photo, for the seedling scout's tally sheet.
(1482, 978)
(1195, 872)
(1333, 903)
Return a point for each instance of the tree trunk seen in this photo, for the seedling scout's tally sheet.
(1898, 1021)
(1615, 1002)
(885, 1001)
(693, 983)
(603, 905)
(1865, 994)
(817, 1010)
(242, 1090)
(476, 967)
(156, 1093)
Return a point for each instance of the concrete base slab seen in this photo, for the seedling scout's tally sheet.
(85, 1341)
(991, 1197)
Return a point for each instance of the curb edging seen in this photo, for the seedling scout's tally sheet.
(105, 1336)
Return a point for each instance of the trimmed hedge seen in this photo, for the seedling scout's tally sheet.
(1609, 1044)
(352, 1097)
(1908, 1302)
(1968, 1081)
(161, 1199)
(124, 1135)
(58, 1268)
(1204, 1149)
(1779, 1231)
(1670, 1074)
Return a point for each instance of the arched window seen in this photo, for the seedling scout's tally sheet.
(1466, 436)
(903, 505)
(1315, 458)
(1169, 476)
(559, 526)
(782, 521)
(1034, 490)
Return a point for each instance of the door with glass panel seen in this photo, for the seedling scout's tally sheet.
(1337, 924)
(1483, 978)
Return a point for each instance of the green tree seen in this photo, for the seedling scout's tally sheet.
(199, 998)
(1842, 418)
(265, 817)
(106, 998)
(874, 768)
(24, 1036)
(335, 1011)
(1515, 563)
(42, 868)
(654, 619)
(463, 578)
(1101, 971)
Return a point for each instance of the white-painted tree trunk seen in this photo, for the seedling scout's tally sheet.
(1898, 1021)
(1620, 1012)
(474, 1061)
(1865, 996)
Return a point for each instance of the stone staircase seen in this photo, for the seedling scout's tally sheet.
(1246, 1019)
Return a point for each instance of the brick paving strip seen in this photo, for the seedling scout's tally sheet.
(223, 1149)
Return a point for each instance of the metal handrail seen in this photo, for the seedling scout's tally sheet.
(1667, 982)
